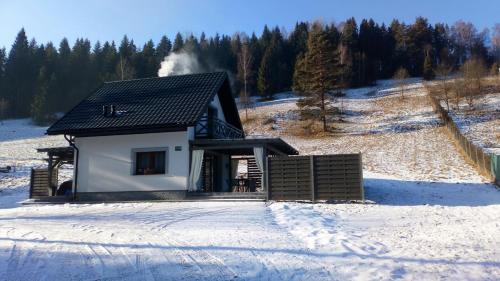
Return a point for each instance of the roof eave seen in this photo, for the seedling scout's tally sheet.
(118, 131)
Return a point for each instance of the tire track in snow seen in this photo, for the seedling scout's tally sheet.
(198, 257)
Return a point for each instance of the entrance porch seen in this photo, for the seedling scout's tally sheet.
(232, 166)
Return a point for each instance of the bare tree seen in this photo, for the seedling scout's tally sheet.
(401, 77)
(443, 71)
(124, 70)
(473, 71)
(464, 34)
(244, 68)
(495, 41)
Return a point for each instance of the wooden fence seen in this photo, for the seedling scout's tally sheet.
(318, 177)
(39, 184)
(483, 161)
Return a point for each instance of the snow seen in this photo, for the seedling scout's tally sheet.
(19, 140)
(482, 124)
(429, 215)
(413, 231)
(398, 137)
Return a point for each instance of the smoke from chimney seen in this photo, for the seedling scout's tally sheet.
(179, 63)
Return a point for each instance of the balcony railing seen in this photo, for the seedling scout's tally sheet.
(214, 128)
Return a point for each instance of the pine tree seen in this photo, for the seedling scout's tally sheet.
(375, 52)
(63, 74)
(300, 74)
(3, 59)
(39, 106)
(178, 43)
(80, 72)
(110, 60)
(298, 39)
(163, 49)
(420, 38)
(320, 75)
(125, 67)
(265, 74)
(428, 72)
(145, 63)
(3, 98)
(253, 45)
(272, 68)
(19, 73)
(49, 66)
(348, 52)
(265, 39)
(191, 45)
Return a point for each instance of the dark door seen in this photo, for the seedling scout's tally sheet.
(209, 173)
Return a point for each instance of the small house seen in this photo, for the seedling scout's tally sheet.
(160, 138)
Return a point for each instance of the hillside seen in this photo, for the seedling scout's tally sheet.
(398, 137)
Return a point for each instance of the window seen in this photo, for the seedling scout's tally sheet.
(150, 162)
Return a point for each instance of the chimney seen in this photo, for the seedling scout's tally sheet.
(105, 110)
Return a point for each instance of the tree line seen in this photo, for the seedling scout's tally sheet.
(39, 80)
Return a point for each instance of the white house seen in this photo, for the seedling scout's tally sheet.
(161, 138)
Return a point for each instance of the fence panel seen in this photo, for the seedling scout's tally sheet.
(322, 177)
(338, 177)
(289, 178)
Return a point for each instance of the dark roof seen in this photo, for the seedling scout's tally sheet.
(245, 146)
(149, 105)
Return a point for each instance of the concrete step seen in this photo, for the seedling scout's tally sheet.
(226, 196)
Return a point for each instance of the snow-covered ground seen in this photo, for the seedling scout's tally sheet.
(19, 140)
(415, 231)
(429, 215)
(398, 137)
(481, 125)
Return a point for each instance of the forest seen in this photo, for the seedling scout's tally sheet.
(39, 80)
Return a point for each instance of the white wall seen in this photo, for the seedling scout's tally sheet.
(220, 112)
(105, 163)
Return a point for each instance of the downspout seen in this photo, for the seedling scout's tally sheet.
(71, 142)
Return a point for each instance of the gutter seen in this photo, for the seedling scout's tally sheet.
(71, 141)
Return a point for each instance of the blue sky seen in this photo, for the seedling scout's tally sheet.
(51, 20)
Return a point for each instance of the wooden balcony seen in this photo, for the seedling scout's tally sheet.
(214, 128)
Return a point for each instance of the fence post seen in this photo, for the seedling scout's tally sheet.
(313, 183)
(31, 182)
(495, 168)
(361, 177)
(266, 178)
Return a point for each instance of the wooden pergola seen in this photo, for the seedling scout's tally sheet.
(57, 156)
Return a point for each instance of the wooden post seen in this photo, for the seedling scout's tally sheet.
(267, 186)
(31, 182)
(50, 168)
(313, 184)
(361, 177)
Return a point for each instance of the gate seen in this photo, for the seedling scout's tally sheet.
(318, 177)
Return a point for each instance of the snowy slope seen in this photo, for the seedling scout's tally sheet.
(398, 137)
(481, 125)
